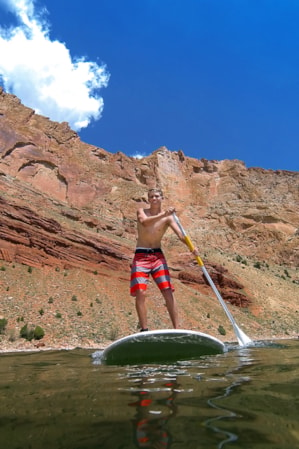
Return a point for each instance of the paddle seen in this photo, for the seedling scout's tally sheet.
(243, 339)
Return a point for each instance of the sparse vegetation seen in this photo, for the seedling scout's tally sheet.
(240, 259)
(32, 332)
(3, 324)
(95, 316)
(221, 330)
(39, 333)
(114, 332)
(12, 335)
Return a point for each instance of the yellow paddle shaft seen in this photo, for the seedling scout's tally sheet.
(192, 248)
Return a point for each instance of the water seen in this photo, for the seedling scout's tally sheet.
(245, 398)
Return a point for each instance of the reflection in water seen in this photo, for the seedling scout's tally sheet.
(60, 400)
(150, 423)
(160, 395)
(243, 360)
(210, 423)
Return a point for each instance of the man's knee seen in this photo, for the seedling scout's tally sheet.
(140, 295)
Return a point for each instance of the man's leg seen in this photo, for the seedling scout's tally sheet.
(171, 306)
(141, 308)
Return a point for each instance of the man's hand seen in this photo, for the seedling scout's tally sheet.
(169, 211)
(195, 252)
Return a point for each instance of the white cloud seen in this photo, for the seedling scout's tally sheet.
(138, 156)
(43, 74)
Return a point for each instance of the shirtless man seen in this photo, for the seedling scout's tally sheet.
(152, 224)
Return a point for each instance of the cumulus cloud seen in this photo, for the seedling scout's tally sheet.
(138, 156)
(42, 73)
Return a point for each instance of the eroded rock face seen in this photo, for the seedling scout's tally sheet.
(66, 203)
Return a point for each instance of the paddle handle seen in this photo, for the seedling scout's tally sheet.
(192, 248)
(187, 239)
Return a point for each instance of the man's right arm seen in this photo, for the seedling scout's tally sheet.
(146, 220)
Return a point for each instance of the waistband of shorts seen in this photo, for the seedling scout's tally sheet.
(148, 250)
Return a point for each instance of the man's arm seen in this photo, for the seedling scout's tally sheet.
(146, 220)
(174, 226)
(176, 229)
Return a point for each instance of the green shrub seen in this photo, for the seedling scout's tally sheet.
(3, 324)
(221, 330)
(74, 298)
(39, 333)
(50, 300)
(27, 333)
(30, 333)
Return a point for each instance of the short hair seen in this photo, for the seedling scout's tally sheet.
(155, 190)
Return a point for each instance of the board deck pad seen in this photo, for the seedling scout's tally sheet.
(161, 346)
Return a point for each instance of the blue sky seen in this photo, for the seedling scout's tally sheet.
(217, 79)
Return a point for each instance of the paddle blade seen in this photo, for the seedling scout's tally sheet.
(243, 339)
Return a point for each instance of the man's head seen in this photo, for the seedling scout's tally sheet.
(152, 193)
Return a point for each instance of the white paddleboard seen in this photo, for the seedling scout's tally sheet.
(161, 346)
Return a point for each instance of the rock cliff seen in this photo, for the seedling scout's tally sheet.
(67, 205)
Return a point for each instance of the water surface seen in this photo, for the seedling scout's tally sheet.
(244, 398)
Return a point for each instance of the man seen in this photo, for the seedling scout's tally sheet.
(152, 223)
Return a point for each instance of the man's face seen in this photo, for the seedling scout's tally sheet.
(154, 197)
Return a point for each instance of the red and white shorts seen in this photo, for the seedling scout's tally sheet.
(149, 261)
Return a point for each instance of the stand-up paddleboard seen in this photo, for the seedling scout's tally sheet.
(161, 346)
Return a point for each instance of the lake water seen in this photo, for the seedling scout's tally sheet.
(245, 398)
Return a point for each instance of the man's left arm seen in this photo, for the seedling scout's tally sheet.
(174, 226)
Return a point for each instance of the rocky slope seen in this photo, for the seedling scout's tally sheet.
(67, 234)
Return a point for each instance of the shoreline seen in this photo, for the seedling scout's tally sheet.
(25, 348)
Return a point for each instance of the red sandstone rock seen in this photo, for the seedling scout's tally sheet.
(66, 203)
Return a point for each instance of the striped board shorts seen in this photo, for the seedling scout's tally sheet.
(149, 261)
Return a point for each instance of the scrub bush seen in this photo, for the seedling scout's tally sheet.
(30, 333)
(3, 324)
(221, 330)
